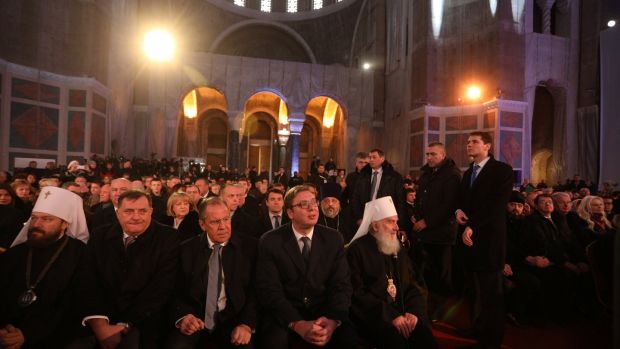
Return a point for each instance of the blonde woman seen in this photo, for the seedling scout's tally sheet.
(182, 216)
(594, 223)
(25, 192)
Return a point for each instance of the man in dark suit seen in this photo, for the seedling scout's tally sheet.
(107, 215)
(483, 196)
(127, 277)
(281, 177)
(274, 216)
(223, 311)
(376, 180)
(242, 222)
(303, 280)
(434, 226)
(361, 160)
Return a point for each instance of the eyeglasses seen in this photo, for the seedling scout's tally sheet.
(217, 222)
(306, 204)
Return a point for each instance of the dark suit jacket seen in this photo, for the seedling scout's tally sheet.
(244, 223)
(238, 261)
(265, 223)
(371, 305)
(485, 205)
(129, 286)
(104, 217)
(540, 237)
(290, 293)
(391, 184)
(189, 227)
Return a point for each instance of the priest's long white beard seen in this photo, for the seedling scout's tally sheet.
(387, 243)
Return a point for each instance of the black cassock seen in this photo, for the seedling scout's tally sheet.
(373, 308)
(49, 319)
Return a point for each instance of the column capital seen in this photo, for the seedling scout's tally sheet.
(296, 122)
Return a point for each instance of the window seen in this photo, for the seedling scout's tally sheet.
(317, 4)
(240, 2)
(265, 5)
(291, 6)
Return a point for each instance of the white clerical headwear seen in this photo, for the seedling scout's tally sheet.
(374, 211)
(63, 204)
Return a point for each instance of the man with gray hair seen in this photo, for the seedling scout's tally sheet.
(107, 215)
(388, 305)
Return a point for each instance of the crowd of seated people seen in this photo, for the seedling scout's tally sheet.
(558, 251)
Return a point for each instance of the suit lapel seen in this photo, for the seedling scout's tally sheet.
(316, 250)
(292, 249)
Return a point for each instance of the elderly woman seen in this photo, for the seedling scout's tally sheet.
(182, 216)
(11, 219)
(594, 224)
(25, 193)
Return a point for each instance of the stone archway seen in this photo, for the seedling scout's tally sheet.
(329, 117)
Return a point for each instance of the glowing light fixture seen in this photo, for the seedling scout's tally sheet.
(291, 6)
(437, 16)
(611, 23)
(329, 115)
(517, 9)
(240, 2)
(474, 92)
(366, 66)
(493, 6)
(190, 105)
(159, 45)
(283, 113)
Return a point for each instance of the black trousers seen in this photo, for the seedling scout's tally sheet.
(387, 337)
(489, 313)
(437, 268)
(274, 335)
(220, 337)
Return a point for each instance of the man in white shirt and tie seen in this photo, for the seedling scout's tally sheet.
(274, 216)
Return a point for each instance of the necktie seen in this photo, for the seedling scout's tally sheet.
(474, 173)
(305, 251)
(213, 288)
(277, 221)
(373, 184)
(130, 239)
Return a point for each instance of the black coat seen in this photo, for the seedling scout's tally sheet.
(11, 222)
(485, 205)
(238, 261)
(347, 193)
(371, 306)
(49, 318)
(287, 292)
(188, 228)
(436, 201)
(391, 185)
(130, 286)
(104, 217)
(343, 223)
(540, 237)
(245, 224)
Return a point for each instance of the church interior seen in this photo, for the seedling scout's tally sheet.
(267, 84)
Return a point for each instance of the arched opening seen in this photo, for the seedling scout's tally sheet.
(328, 116)
(203, 126)
(265, 113)
(542, 134)
(542, 167)
(308, 145)
(213, 135)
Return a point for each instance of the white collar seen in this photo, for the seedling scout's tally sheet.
(482, 163)
(211, 243)
(299, 236)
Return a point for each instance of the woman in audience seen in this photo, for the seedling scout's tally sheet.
(25, 193)
(182, 216)
(11, 219)
(594, 224)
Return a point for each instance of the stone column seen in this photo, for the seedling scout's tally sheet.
(296, 123)
(235, 120)
(546, 6)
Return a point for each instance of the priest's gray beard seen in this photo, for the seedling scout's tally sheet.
(387, 243)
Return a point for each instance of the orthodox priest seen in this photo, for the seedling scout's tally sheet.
(37, 273)
(331, 214)
(387, 306)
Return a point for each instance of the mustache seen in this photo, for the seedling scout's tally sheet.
(35, 230)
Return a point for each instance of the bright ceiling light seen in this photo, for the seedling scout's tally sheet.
(366, 66)
(611, 23)
(159, 45)
(474, 92)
